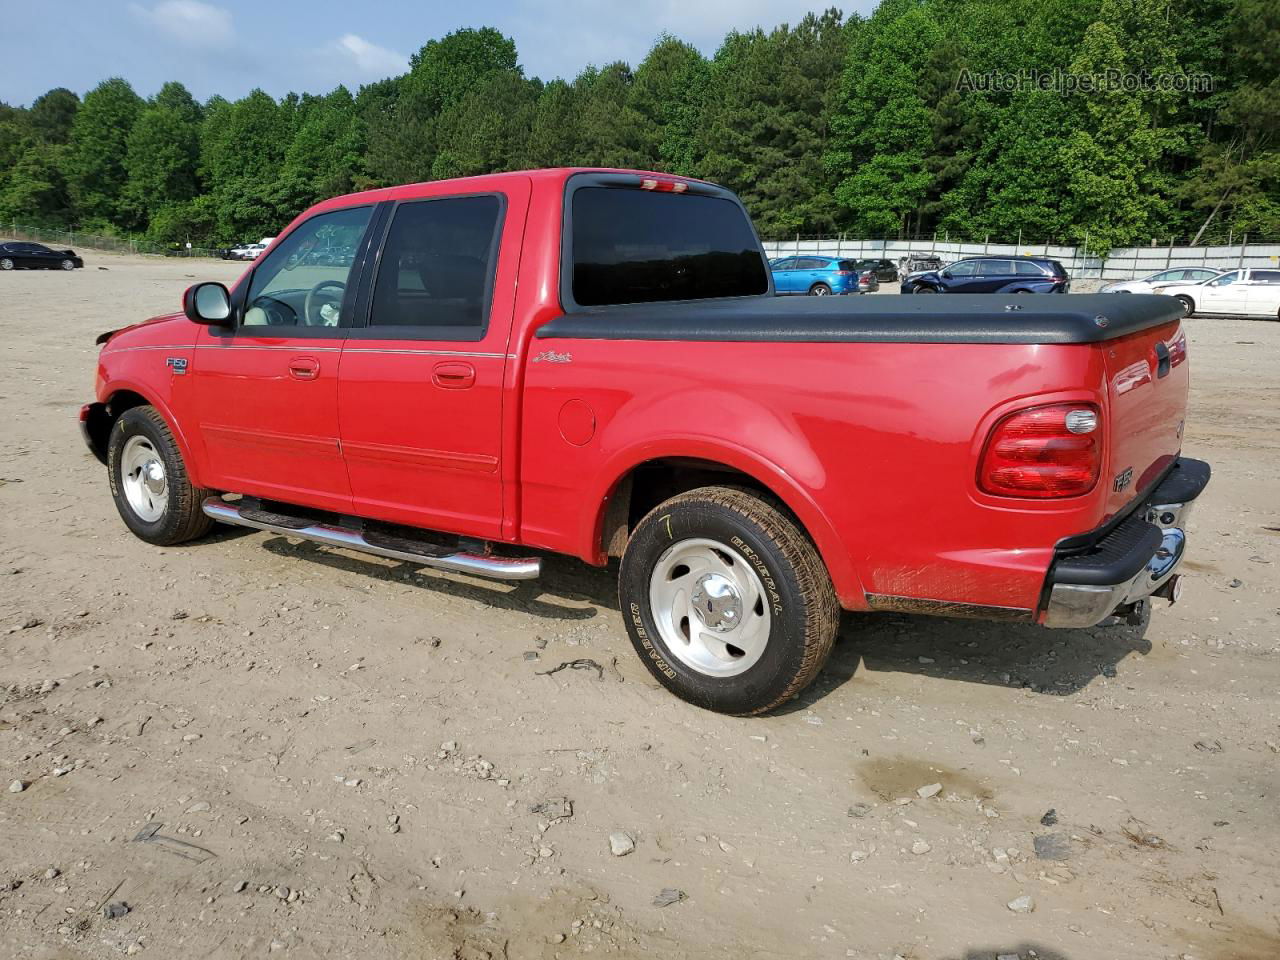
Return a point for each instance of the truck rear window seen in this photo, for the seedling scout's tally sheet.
(634, 246)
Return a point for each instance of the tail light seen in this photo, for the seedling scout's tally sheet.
(1044, 452)
(663, 186)
(1178, 349)
(845, 273)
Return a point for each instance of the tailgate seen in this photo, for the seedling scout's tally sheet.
(1147, 380)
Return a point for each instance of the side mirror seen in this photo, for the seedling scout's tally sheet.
(207, 303)
(946, 274)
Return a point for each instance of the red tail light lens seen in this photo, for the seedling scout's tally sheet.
(1044, 452)
(1178, 349)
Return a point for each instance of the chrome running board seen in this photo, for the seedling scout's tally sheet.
(429, 555)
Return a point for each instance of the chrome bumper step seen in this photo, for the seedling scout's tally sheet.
(394, 548)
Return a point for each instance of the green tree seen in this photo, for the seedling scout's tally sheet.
(666, 93)
(1115, 162)
(553, 133)
(487, 129)
(241, 153)
(99, 144)
(767, 111)
(35, 189)
(611, 132)
(323, 155)
(163, 154)
(1237, 179)
(52, 114)
(402, 141)
(883, 131)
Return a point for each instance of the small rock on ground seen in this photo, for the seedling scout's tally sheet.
(1022, 904)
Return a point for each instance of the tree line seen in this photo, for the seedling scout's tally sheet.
(882, 126)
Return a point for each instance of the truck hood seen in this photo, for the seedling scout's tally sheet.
(157, 330)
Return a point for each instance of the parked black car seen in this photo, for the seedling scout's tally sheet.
(992, 275)
(20, 255)
(886, 271)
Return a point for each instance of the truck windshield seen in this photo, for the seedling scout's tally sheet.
(636, 246)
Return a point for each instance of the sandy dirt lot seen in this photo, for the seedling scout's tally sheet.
(348, 757)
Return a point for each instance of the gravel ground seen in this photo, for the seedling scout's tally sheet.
(246, 746)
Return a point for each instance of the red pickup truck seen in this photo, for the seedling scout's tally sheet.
(464, 373)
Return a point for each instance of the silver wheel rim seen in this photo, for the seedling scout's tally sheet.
(68, 265)
(142, 476)
(710, 608)
(6, 264)
(819, 291)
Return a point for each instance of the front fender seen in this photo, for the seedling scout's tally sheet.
(113, 388)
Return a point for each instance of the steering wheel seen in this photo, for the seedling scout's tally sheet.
(317, 301)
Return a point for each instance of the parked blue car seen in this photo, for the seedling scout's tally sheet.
(992, 275)
(821, 276)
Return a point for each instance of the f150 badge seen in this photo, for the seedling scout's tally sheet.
(1123, 479)
(176, 364)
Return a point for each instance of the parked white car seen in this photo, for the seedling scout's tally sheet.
(254, 250)
(1243, 293)
(1164, 278)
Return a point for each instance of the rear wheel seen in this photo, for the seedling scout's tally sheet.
(727, 601)
(149, 480)
(1188, 305)
(819, 290)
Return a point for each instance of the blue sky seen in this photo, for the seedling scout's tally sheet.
(215, 46)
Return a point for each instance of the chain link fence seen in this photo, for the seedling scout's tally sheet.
(72, 239)
(1121, 263)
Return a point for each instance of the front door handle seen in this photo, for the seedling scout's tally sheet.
(304, 368)
(454, 375)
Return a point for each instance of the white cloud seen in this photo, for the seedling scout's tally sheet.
(371, 59)
(190, 22)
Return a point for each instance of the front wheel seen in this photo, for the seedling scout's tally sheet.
(149, 480)
(1188, 306)
(923, 289)
(68, 264)
(6, 264)
(727, 601)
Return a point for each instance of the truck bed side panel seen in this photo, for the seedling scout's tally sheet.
(874, 445)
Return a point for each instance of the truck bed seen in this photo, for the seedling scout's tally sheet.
(979, 318)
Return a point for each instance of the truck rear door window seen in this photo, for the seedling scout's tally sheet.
(436, 268)
(637, 246)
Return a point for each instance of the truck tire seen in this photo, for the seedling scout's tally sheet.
(149, 480)
(727, 601)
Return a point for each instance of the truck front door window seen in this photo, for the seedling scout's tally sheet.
(303, 281)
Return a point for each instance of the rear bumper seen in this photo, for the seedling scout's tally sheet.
(1099, 574)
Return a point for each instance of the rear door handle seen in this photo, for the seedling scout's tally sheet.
(304, 368)
(453, 375)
